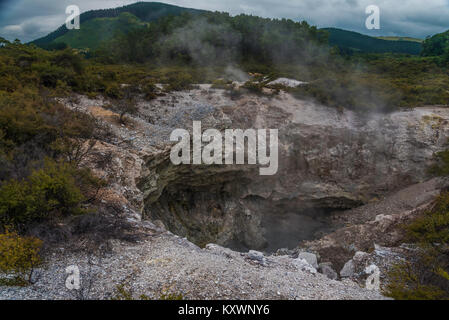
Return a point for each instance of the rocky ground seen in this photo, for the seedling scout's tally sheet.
(379, 223)
(167, 264)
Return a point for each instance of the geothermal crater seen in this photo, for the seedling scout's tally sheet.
(328, 161)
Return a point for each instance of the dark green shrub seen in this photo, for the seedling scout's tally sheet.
(424, 273)
(48, 192)
(149, 90)
(18, 257)
(254, 87)
(441, 168)
(50, 75)
(222, 84)
(179, 81)
(113, 91)
(69, 59)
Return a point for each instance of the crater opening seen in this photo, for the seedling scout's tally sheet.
(209, 215)
(288, 229)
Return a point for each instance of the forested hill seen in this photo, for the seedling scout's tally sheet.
(437, 45)
(352, 42)
(218, 38)
(104, 24)
(145, 11)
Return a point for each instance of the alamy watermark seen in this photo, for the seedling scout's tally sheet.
(373, 20)
(73, 20)
(72, 282)
(215, 152)
(373, 280)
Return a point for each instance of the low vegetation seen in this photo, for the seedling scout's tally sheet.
(350, 42)
(41, 146)
(424, 273)
(18, 258)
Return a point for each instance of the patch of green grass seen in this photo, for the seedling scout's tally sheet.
(401, 39)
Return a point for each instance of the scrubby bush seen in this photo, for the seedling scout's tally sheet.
(113, 91)
(222, 84)
(254, 87)
(50, 74)
(126, 106)
(409, 280)
(441, 168)
(424, 274)
(68, 59)
(179, 81)
(149, 90)
(51, 191)
(18, 257)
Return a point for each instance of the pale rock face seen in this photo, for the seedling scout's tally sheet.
(327, 159)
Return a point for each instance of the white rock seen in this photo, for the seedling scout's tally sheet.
(303, 265)
(310, 258)
(292, 83)
(257, 256)
(360, 256)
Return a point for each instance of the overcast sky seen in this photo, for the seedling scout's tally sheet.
(30, 19)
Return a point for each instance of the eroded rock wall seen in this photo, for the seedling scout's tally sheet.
(327, 160)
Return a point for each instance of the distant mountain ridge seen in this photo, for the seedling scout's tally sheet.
(101, 25)
(145, 11)
(353, 42)
(97, 30)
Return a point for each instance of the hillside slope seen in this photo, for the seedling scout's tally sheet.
(98, 30)
(436, 45)
(353, 42)
(145, 11)
(101, 25)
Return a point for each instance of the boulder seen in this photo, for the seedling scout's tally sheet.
(326, 269)
(348, 269)
(303, 265)
(256, 256)
(360, 256)
(310, 258)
